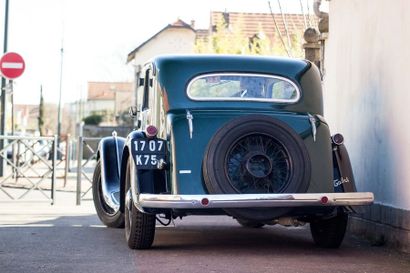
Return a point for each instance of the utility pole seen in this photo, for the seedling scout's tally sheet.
(3, 86)
(59, 115)
(59, 104)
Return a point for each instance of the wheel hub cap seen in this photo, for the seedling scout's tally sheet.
(258, 165)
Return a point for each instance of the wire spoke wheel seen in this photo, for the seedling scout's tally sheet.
(258, 163)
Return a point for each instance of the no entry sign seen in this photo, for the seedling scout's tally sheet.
(12, 65)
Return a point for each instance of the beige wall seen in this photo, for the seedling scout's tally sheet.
(170, 41)
(367, 96)
(98, 105)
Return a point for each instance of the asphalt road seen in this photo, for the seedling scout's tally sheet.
(66, 238)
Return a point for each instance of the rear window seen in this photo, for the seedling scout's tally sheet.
(243, 87)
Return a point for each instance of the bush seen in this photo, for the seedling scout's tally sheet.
(93, 120)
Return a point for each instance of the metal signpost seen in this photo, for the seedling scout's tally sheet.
(3, 84)
(30, 149)
(12, 66)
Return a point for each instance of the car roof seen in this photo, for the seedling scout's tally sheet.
(192, 65)
(174, 72)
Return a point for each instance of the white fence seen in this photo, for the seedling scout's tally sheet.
(29, 163)
(86, 157)
(32, 165)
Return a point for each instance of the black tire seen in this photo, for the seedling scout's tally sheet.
(281, 161)
(329, 233)
(250, 224)
(139, 227)
(110, 218)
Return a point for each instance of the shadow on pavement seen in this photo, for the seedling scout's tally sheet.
(80, 243)
(228, 247)
(64, 244)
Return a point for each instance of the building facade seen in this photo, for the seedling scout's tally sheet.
(367, 100)
(108, 99)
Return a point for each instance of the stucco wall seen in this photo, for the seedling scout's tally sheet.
(170, 41)
(98, 105)
(367, 97)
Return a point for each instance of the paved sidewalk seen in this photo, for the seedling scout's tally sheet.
(17, 189)
(38, 237)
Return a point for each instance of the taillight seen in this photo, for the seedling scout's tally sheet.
(338, 139)
(205, 202)
(324, 200)
(151, 131)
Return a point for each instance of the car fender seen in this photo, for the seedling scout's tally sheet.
(343, 179)
(110, 150)
(142, 181)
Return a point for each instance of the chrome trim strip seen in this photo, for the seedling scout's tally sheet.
(117, 152)
(312, 121)
(169, 201)
(286, 101)
(189, 118)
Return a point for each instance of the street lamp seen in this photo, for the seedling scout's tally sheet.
(3, 86)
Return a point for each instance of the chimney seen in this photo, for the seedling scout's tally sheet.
(193, 24)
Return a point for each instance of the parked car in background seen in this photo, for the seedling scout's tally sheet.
(27, 150)
(240, 136)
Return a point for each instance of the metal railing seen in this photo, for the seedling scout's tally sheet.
(28, 162)
(85, 166)
(32, 166)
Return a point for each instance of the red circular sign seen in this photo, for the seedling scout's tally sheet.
(12, 65)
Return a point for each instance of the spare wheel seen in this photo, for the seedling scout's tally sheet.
(256, 154)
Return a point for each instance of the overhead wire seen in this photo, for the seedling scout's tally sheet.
(285, 25)
(303, 13)
(278, 31)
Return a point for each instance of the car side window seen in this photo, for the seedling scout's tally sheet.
(152, 99)
(146, 95)
(140, 93)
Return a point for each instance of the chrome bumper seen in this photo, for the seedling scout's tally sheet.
(169, 201)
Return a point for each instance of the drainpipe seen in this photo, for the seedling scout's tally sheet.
(323, 17)
(316, 9)
(324, 30)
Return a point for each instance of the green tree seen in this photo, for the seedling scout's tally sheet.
(41, 113)
(224, 40)
(93, 119)
(231, 40)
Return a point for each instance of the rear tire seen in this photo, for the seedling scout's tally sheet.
(110, 218)
(329, 233)
(139, 226)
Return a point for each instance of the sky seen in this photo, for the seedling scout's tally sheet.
(96, 36)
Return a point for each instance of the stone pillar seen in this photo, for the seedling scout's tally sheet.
(312, 45)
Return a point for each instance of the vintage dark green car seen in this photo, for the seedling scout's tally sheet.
(236, 135)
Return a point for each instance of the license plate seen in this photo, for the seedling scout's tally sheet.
(148, 152)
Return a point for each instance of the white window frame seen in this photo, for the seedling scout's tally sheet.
(287, 101)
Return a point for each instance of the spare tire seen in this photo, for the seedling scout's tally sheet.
(256, 154)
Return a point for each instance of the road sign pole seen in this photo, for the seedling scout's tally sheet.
(3, 87)
(59, 114)
(12, 106)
